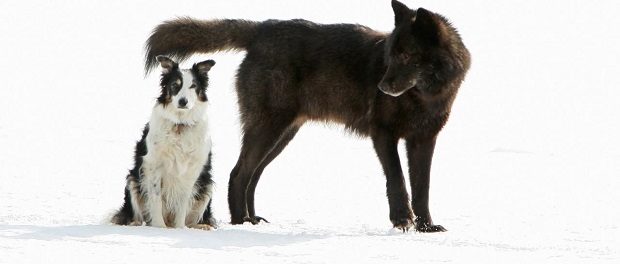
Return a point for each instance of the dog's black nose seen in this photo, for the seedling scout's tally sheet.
(183, 102)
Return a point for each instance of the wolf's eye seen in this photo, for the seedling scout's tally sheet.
(404, 57)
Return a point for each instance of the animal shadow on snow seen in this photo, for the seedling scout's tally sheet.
(185, 238)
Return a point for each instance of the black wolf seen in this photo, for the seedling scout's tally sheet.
(170, 184)
(386, 86)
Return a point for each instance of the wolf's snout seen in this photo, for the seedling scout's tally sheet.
(183, 102)
(384, 87)
(388, 89)
(396, 87)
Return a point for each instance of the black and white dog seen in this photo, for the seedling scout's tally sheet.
(170, 184)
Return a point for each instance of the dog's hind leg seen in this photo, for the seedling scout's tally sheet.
(420, 156)
(286, 137)
(207, 216)
(259, 139)
(201, 208)
(125, 216)
(386, 146)
(201, 216)
(130, 213)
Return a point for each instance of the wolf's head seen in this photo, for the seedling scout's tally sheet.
(183, 89)
(423, 52)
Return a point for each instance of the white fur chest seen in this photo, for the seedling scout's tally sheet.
(176, 153)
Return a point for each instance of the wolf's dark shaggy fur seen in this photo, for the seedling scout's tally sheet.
(386, 86)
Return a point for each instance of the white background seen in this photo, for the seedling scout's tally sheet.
(526, 171)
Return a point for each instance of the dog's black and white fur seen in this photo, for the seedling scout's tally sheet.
(170, 184)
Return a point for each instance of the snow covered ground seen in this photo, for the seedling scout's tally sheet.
(526, 171)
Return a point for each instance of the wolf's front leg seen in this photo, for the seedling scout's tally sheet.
(420, 156)
(386, 146)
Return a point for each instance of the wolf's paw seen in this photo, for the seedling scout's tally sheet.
(403, 223)
(255, 220)
(202, 227)
(430, 228)
(236, 221)
(423, 226)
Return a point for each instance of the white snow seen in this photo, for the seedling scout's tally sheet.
(526, 170)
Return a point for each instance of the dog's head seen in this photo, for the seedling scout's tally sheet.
(417, 52)
(182, 89)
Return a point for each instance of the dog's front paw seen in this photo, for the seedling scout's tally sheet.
(158, 223)
(135, 223)
(202, 227)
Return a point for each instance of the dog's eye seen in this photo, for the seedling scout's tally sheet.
(193, 86)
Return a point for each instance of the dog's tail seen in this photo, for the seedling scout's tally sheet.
(182, 37)
(124, 216)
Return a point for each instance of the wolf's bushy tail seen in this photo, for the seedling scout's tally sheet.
(182, 37)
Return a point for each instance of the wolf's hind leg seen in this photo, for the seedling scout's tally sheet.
(286, 137)
(259, 140)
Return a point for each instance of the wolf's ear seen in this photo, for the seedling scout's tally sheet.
(402, 13)
(426, 27)
(166, 63)
(203, 67)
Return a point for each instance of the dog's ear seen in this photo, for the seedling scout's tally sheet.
(167, 65)
(203, 67)
(426, 27)
(402, 13)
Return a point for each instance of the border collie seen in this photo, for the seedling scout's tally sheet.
(170, 184)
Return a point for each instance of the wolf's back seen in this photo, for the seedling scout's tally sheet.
(182, 37)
